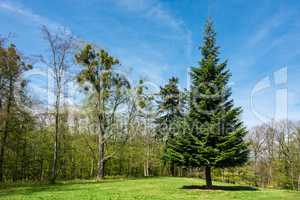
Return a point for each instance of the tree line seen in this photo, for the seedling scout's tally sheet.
(126, 129)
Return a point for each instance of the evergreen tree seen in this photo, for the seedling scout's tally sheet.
(213, 135)
(169, 111)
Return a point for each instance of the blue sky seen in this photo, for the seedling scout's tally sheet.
(158, 39)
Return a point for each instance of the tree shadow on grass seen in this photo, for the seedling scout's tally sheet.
(219, 187)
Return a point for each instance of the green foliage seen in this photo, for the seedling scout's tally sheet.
(16, 122)
(214, 135)
(98, 68)
(170, 105)
(153, 135)
(170, 112)
(108, 89)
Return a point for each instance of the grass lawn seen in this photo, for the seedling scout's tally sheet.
(143, 189)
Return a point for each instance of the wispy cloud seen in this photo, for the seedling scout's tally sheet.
(262, 40)
(27, 14)
(161, 15)
(32, 18)
(266, 28)
(156, 12)
(152, 10)
(270, 34)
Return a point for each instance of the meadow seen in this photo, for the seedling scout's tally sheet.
(131, 89)
(163, 188)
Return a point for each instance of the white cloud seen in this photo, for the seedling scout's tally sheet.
(152, 10)
(28, 14)
(266, 28)
(155, 11)
(162, 16)
(263, 40)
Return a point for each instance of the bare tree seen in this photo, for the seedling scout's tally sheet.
(60, 46)
(257, 141)
(285, 140)
(270, 142)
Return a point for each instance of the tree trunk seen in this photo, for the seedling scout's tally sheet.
(73, 169)
(255, 169)
(172, 168)
(101, 157)
(73, 161)
(208, 176)
(55, 150)
(15, 173)
(223, 175)
(121, 156)
(129, 163)
(54, 164)
(299, 183)
(41, 169)
(63, 151)
(146, 163)
(92, 168)
(146, 168)
(292, 177)
(24, 160)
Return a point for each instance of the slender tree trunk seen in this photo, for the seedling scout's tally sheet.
(73, 161)
(63, 150)
(73, 170)
(223, 175)
(92, 168)
(24, 160)
(146, 163)
(292, 175)
(55, 148)
(299, 183)
(255, 169)
(41, 169)
(172, 168)
(15, 174)
(129, 163)
(208, 176)
(146, 168)
(121, 167)
(101, 157)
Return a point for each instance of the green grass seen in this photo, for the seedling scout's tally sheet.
(143, 189)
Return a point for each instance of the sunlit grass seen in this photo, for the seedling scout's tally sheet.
(144, 189)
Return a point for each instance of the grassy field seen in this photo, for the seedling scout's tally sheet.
(143, 189)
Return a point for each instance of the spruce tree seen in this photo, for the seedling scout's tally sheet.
(170, 110)
(213, 133)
